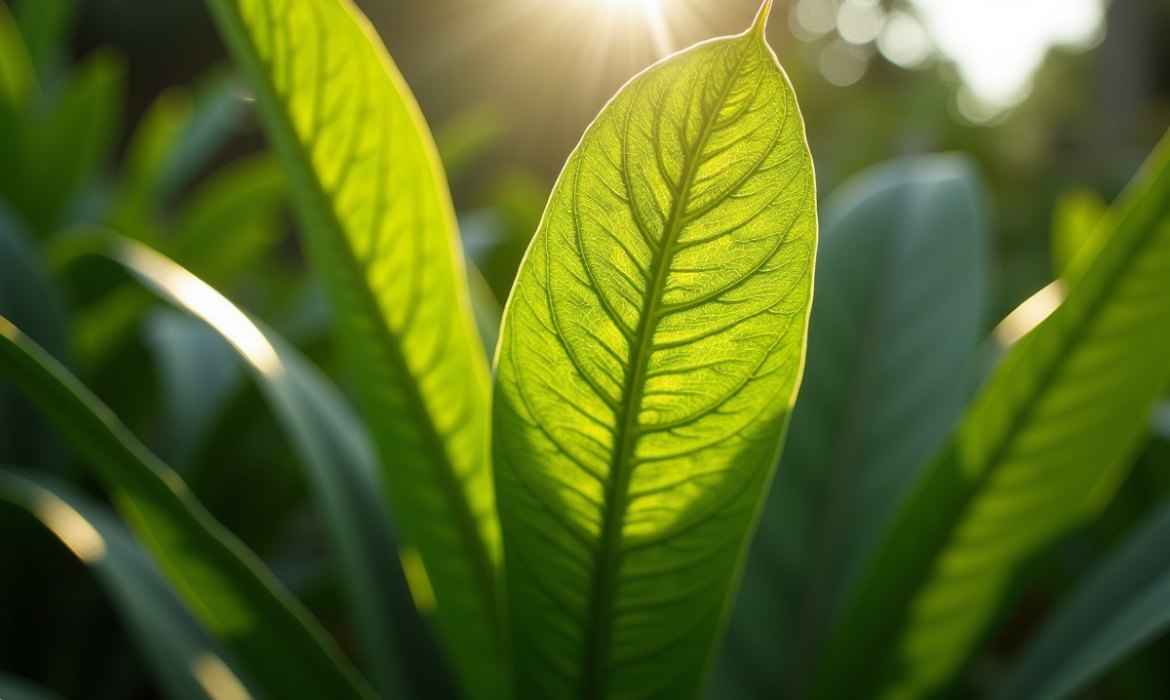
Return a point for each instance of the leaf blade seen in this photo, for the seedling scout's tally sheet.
(901, 275)
(352, 136)
(1061, 411)
(599, 334)
(283, 647)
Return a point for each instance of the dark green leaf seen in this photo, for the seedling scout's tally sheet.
(284, 649)
(1043, 446)
(901, 280)
(187, 663)
(1121, 608)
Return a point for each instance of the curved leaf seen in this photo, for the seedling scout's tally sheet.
(901, 281)
(336, 455)
(650, 355)
(1121, 608)
(187, 662)
(1076, 215)
(18, 81)
(381, 233)
(1042, 446)
(29, 298)
(284, 649)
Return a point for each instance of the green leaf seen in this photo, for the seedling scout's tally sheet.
(186, 661)
(334, 451)
(47, 25)
(52, 150)
(1043, 445)
(380, 229)
(284, 649)
(1077, 214)
(1122, 607)
(18, 82)
(13, 688)
(198, 374)
(901, 281)
(29, 297)
(650, 355)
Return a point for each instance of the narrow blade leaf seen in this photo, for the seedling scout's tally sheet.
(380, 227)
(186, 661)
(226, 586)
(1042, 446)
(901, 279)
(335, 452)
(650, 355)
(1125, 605)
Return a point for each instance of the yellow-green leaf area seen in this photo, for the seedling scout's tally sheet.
(650, 355)
(380, 228)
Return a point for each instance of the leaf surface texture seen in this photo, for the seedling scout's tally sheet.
(380, 228)
(649, 357)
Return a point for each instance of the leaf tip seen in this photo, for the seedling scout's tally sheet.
(761, 21)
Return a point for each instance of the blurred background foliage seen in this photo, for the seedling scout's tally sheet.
(135, 121)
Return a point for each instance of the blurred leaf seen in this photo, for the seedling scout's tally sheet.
(649, 359)
(138, 204)
(465, 137)
(284, 649)
(52, 150)
(187, 663)
(1043, 445)
(334, 450)
(901, 280)
(227, 225)
(219, 108)
(28, 297)
(13, 688)
(488, 312)
(1122, 607)
(380, 231)
(17, 79)
(198, 375)
(1076, 215)
(47, 25)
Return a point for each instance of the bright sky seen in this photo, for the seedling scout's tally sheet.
(997, 45)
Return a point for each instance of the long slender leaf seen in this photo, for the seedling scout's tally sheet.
(901, 280)
(284, 649)
(186, 661)
(1042, 446)
(1122, 607)
(381, 232)
(47, 25)
(18, 81)
(649, 359)
(337, 456)
(28, 297)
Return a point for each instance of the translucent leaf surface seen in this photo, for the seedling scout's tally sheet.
(650, 354)
(901, 279)
(1041, 447)
(285, 650)
(1121, 608)
(378, 218)
(185, 660)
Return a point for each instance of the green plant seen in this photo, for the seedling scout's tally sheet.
(576, 525)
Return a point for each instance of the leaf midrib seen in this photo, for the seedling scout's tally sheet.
(872, 663)
(484, 571)
(609, 555)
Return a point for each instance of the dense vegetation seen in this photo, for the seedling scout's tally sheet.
(683, 474)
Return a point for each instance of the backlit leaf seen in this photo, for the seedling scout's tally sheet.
(380, 229)
(1043, 445)
(650, 355)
